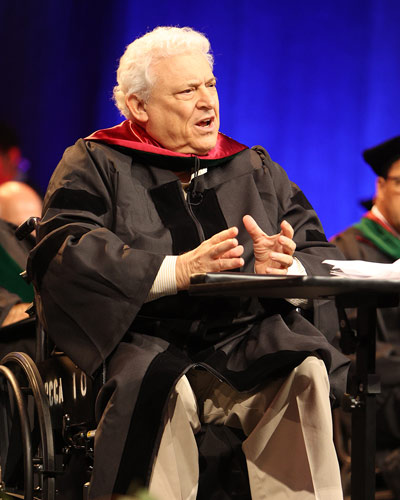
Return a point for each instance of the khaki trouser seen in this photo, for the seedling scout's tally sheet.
(289, 448)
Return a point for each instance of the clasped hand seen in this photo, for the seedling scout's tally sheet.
(222, 252)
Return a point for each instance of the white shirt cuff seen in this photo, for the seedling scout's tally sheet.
(297, 268)
(165, 282)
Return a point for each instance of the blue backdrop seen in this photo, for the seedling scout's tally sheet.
(315, 82)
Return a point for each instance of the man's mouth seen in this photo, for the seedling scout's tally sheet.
(207, 122)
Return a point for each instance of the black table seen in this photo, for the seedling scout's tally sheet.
(366, 295)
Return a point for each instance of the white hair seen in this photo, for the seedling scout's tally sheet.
(133, 74)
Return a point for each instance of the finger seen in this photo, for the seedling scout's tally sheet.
(226, 234)
(286, 229)
(252, 227)
(273, 270)
(288, 245)
(234, 252)
(226, 264)
(219, 249)
(282, 259)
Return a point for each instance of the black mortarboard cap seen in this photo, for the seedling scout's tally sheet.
(382, 156)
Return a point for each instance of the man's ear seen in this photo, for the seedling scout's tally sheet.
(137, 108)
(380, 182)
(379, 191)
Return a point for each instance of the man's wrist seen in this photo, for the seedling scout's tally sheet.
(181, 273)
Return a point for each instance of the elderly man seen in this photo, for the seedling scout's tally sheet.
(130, 214)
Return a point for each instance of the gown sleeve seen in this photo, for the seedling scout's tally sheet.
(90, 284)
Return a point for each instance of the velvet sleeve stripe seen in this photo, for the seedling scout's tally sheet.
(78, 199)
(300, 199)
(315, 235)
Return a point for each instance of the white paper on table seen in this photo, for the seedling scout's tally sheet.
(364, 269)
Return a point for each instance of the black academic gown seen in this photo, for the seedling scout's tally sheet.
(14, 338)
(114, 209)
(355, 246)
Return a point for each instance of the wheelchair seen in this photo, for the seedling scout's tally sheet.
(47, 424)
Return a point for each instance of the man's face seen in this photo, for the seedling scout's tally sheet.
(182, 113)
(388, 196)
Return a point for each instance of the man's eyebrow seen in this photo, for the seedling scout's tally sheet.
(194, 83)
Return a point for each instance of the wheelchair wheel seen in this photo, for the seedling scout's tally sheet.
(26, 438)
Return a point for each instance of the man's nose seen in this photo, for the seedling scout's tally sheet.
(206, 98)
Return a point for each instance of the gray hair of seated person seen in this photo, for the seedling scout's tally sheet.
(134, 74)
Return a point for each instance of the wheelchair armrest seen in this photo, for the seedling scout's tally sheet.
(26, 228)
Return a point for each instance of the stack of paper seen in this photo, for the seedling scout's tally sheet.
(364, 269)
